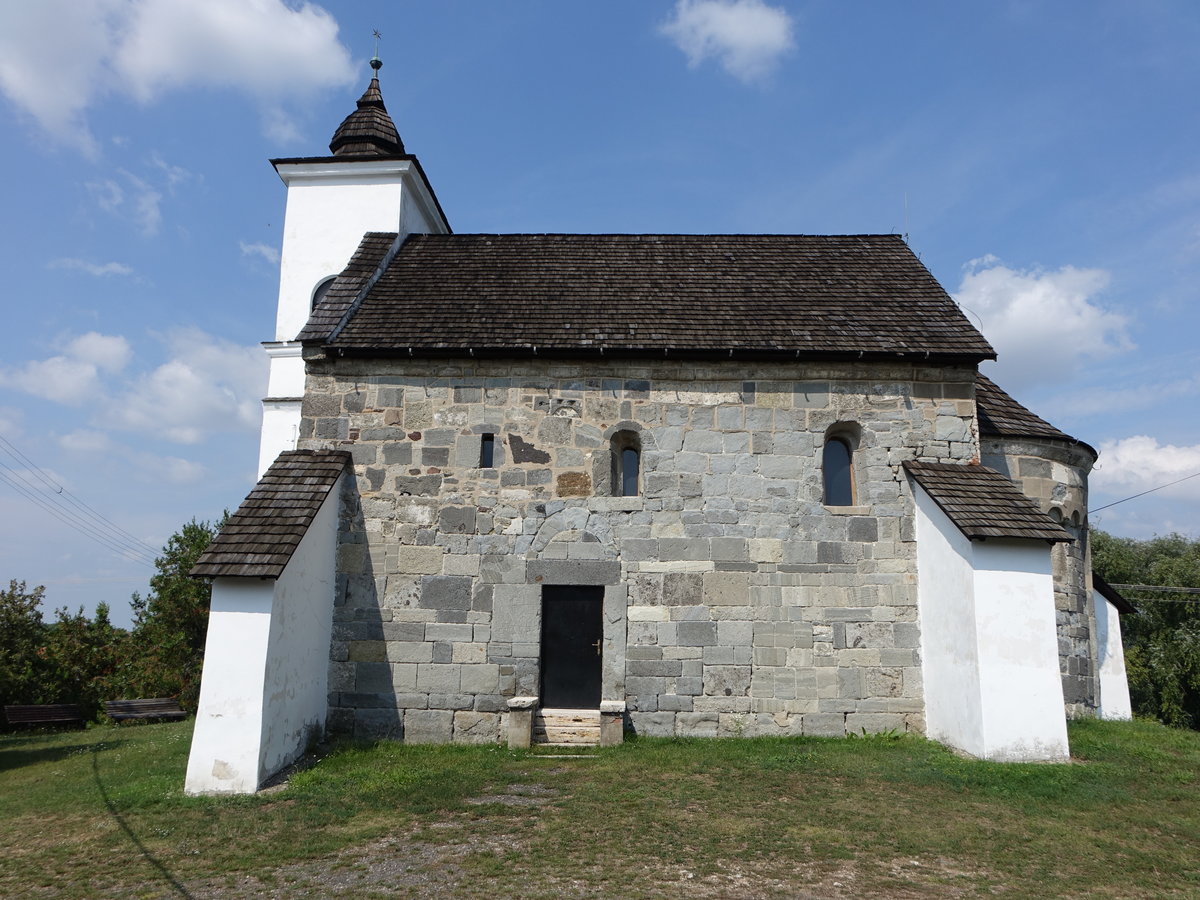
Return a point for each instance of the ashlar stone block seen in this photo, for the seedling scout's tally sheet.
(726, 589)
(428, 726)
(476, 727)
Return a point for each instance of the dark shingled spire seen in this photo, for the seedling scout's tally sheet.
(369, 130)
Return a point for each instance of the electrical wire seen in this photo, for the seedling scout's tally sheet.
(78, 516)
(61, 491)
(1144, 493)
(69, 516)
(62, 516)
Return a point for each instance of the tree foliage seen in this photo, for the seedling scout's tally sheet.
(21, 636)
(77, 659)
(171, 621)
(83, 659)
(1162, 642)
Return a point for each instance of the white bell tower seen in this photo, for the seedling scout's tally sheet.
(368, 184)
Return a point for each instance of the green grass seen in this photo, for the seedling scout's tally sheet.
(102, 813)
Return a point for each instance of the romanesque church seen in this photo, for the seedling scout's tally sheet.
(560, 488)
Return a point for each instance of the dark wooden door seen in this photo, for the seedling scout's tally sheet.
(572, 636)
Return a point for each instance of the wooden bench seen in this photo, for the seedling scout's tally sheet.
(44, 714)
(155, 708)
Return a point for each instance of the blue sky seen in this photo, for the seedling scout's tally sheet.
(1041, 158)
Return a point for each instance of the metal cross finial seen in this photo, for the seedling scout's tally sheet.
(376, 62)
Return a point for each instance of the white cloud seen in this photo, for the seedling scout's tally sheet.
(1138, 395)
(108, 194)
(208, 386)
(100, 270)
(1043, 324)
(84, 440)
(266, 251)
(1139, 463)
(105, 351)
(11, 421)
(72, 377)
(747, 37)
(270, 50)
(173, 469)
(139, 201)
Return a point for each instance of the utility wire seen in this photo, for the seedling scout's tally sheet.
(1156, 587)
(69, 516)
(53, 498)
(61, 491)
(62, 516)
(1151, 491)
(1161, 600)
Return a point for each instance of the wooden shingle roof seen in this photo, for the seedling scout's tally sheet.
(340, 296)
(369, 130)
(1002, 416)
(259, 539)
(982, 503)
(787, 296)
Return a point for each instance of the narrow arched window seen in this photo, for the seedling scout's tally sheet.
(626, 452)
(837, 468)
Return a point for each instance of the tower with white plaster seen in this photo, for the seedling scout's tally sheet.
(369, 183)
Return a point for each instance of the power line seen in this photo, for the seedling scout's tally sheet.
(54, 498)
(61, 491)
(63, 517)
(1151, 491)
(1156, 587)
(69, 516)
(1162, 600)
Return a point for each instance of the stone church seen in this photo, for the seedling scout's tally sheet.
(562, 487)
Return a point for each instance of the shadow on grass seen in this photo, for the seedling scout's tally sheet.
(129, 833)
(14, 757)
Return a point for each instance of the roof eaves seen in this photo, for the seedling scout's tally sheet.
(1112, 595)
(397, 157)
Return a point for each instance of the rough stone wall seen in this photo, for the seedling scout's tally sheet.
(1054, 475)
(735, 602)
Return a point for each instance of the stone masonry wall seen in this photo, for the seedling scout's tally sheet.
(1054, 475)
(735, 602)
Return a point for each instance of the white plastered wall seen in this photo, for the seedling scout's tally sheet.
(282, 406)
(225, 743)
(1024, 718)
(1114, 684)
(264, 688)
(331, 204)
(988, 642)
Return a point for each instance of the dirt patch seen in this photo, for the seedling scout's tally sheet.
(394, 866)
(518, 795)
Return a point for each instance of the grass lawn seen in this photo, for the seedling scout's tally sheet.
(101, 813)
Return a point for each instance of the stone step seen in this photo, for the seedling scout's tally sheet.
(567, 727)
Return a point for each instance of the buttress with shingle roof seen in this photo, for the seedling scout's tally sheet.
(559, 488)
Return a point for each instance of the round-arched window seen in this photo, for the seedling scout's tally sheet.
(321, 290)
(837, 469)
